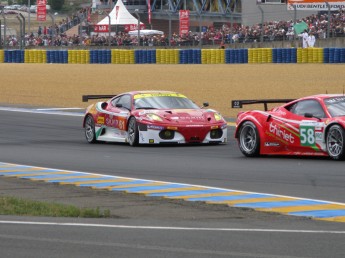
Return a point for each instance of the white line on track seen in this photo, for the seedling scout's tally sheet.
(170, 228)
(48, 109)
(38, 111)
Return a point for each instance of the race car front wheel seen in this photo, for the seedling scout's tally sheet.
(335, 142)
(248, 140)
(90, 130)
(133, 134)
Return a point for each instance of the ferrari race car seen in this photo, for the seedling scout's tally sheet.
(152, 117)
(310, 126)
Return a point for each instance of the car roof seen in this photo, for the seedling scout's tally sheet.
(323, 96)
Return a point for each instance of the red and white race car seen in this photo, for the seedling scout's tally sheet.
(152, 117)
(311, 126)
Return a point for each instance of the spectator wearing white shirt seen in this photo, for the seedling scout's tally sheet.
(311, 40)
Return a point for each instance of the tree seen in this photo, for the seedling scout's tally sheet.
(56, 4)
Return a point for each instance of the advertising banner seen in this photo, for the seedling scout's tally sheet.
(184, 22)
(101, 28)
(316, 5)
(41, 10)
(41, 13)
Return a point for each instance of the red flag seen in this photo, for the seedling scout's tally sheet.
(149, 10)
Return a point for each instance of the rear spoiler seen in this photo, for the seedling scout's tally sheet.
(87, 97)
(240, 103)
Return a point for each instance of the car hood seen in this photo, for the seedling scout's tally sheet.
(184, 116)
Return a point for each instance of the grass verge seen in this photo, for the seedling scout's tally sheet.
(23, 207)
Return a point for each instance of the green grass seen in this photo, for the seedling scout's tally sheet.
(22, 207)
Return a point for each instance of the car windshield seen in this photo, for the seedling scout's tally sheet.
(336, 106)
(163, 101)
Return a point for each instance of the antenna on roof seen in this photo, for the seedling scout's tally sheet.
(326, 92)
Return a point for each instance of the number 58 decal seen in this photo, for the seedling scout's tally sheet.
(307, 135)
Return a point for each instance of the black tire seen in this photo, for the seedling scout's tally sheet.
(335, 142)
(90, 133)
(249, 140)
(132, 131)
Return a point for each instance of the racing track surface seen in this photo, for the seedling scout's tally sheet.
(58, 142)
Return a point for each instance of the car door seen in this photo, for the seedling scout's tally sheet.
(117, 114)
(307, 119)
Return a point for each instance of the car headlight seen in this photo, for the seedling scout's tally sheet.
(217, 116)
(154, 117)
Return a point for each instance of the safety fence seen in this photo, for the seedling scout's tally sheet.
(176, 56)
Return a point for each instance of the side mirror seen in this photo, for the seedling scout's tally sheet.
(104, 105)
(205, 104)
(308, 115)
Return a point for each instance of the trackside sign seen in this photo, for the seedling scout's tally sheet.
(315, 5)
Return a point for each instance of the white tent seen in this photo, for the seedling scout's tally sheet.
(120, 16)
(145, 32)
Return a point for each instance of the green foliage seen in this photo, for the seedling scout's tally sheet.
(56, 4)
(21, 207)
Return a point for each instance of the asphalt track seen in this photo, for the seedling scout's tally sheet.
(58, 142)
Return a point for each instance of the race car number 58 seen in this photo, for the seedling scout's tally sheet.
(307, 135)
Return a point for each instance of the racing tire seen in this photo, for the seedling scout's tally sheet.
(90, 133)
(335, 142)
(133, 132)
(249, 140)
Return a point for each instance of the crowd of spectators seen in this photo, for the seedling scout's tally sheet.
(227, 34)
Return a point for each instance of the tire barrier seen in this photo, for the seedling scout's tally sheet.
(334, 55)
(2, 56)
(99, 56)
(213, 56)
(167, 56)
(259, 55)
(190, 56)
(78, 57)
(176, 56)
(57, 56)
(14, 56)
(236, 56)
(122, 56)
(35, 56)
(145, 56)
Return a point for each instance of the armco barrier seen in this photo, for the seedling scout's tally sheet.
(176, 56)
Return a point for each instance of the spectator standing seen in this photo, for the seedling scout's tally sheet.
(39, 31)
(311, 40)
(305, 38)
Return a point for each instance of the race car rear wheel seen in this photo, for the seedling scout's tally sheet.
(335, 142)
(133, 134)
(249, 140)
(90, 133)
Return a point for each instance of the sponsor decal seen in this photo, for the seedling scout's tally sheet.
(307, 135)
(155, 127)
(100, 120)
(272, 144)
(334, 100)
(281, 133)
(151, 141)
(117, 122)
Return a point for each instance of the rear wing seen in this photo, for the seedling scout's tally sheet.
(240, 103)
(87, 97)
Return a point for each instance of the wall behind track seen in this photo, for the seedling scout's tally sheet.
(176, 56)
